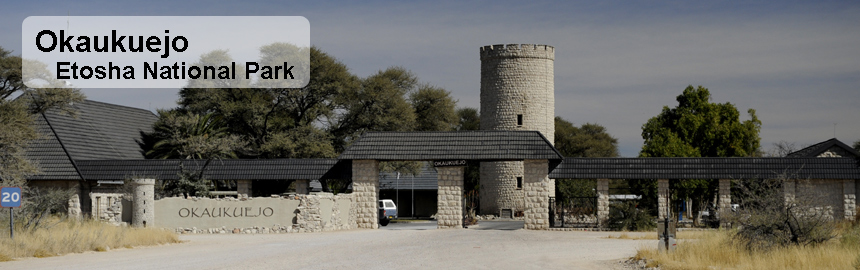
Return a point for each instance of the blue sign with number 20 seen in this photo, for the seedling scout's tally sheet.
(10, 197)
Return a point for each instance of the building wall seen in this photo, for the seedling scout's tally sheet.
(825, 195)
(515, 80)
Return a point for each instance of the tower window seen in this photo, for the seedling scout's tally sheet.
(519, 183)
(519, 119)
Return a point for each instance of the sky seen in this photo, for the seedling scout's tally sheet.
(617, 63)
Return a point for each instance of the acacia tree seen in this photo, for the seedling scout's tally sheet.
(857, 145)
(434, 109)
(19, 106)
(696, 127)
(588, 140)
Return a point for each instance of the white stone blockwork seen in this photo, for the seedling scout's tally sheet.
(536, 190)
(517, 93)
(365, 183)
(450, 197)
(602, 201)
(662, 198)
(143, 207)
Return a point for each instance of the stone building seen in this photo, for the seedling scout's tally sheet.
(517, 93)
(100, 131)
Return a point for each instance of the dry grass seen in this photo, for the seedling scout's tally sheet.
(70, 237)
(716, 251)
(653, 235)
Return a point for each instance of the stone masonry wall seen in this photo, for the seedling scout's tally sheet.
(725, 200)
(515, 80)
(662, 198)
(318, 212)
(499, 186)
(243, 188)
(849, 198)
(107, 207)
(450, 197)
(536, 187)
(602, 201)
(365, 183)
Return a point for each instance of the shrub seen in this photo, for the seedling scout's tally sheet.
(626, 216)
(768, 219)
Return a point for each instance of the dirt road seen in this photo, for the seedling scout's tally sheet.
(364, 249)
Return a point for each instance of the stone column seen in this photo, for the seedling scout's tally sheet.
(143, 206)
(602, 201)
(662, 198)
(365, 182)
(449, 214)
(725, 201)
(75, 201)
(303, 186)
(536, 189)
(243, 188)
(849, 199)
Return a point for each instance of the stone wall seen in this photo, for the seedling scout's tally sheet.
(449, 212)
(243, 188)
(602, 201)
(365, 184)
(662, 198)
(536, 187)
(107, 207)
(515, 80)
(725, 200)
(849, 199)
(291, 214)
(499, 187)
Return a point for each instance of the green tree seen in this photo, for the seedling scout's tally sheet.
(277, 122)
(469, 119)
(696, 127)
(857, 145)
(19, 105)
(589, 140)
(699, 128)
(378, 105)
(434, 109)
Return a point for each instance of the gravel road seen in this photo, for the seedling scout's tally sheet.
(389, 248)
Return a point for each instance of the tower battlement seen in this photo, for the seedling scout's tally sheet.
(518, 51)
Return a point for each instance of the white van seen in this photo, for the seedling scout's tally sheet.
(387, 211)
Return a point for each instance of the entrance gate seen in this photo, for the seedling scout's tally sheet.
(451, 150)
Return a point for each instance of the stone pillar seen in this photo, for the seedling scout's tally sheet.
(303, 186)
(449, 213)
(662, 198)
(536, 188)
(75, 201)
(725, 201)
(143, 206)
(365, 182)
(849, 199)
(243, 188)
(602, 201)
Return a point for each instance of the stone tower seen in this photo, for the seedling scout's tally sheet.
(143, 204)
(517, 93)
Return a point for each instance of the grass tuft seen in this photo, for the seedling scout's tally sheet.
(71, 236)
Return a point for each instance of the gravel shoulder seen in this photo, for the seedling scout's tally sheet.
(364, 249)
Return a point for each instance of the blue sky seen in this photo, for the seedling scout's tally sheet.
(617, 62)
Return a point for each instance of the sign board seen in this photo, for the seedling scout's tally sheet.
(447, 163)
(10, 197)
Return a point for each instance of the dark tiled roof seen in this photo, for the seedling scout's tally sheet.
(226, 169)
(452, 145)
(49, 155)
(706, 168)
(819, 148)
(100, 131)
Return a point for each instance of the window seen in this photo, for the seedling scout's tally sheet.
(519, 119)
(519, 183)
